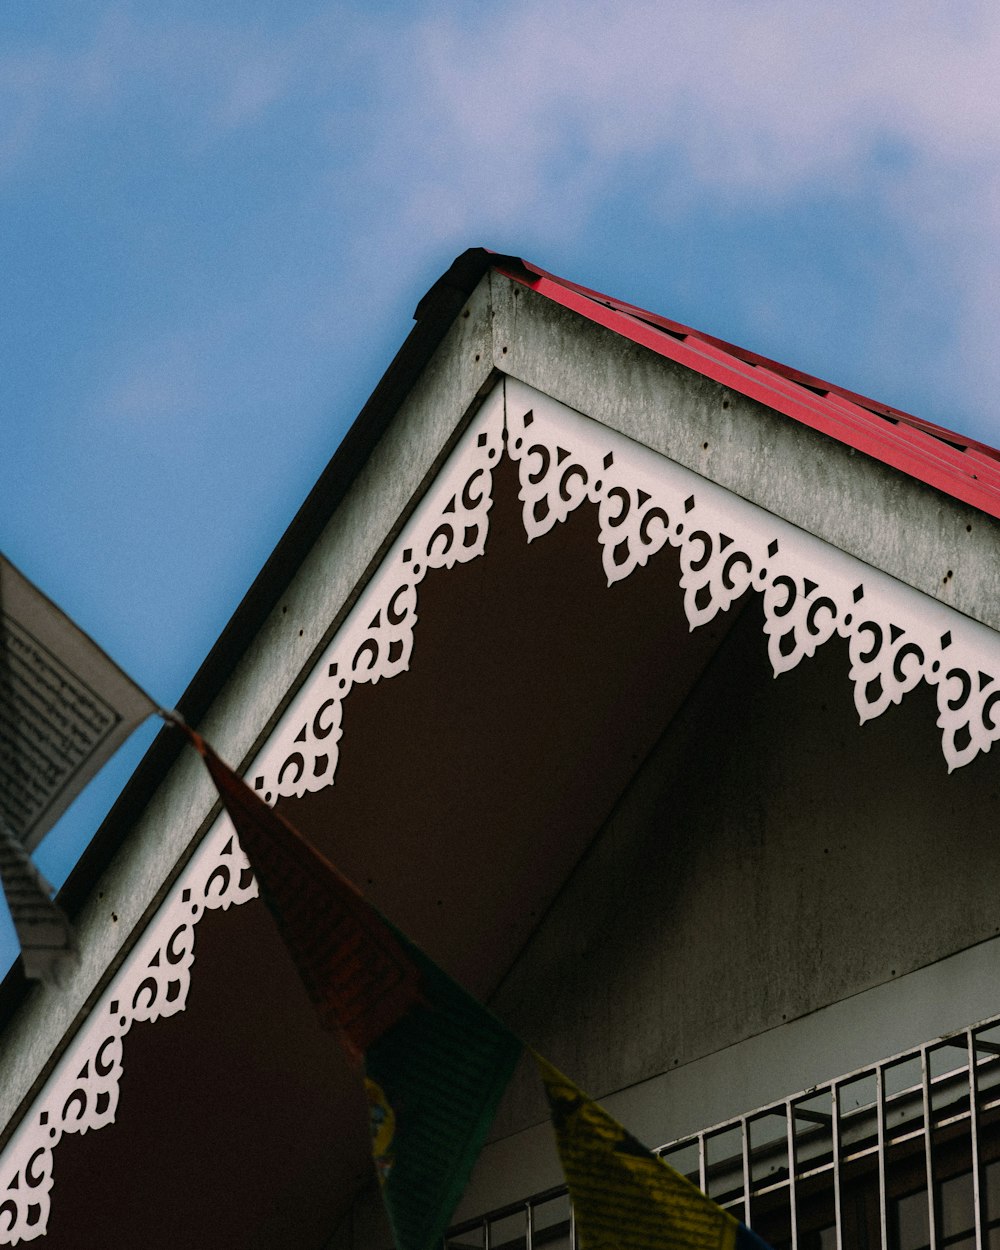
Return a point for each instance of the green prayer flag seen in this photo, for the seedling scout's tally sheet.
(434, 1081)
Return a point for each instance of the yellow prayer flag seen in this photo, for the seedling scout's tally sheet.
(625, 1197)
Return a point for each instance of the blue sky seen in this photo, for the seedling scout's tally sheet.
(219, 217)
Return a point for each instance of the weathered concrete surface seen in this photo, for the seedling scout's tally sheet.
(772, 858)
(911, 531)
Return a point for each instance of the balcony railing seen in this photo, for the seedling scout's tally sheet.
(903, 1154)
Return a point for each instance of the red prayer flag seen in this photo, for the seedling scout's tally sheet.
(436, 1062)
(357, 972)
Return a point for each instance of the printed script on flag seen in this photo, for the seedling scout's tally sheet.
(65, 708)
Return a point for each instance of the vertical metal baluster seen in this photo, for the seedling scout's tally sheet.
(883, 1204)
(925, 1075)
(745, 1131)
(835, 1126)
(572, 1229)
(487, 1233)
(529, 1226)
(702, 1166)
(793, 1203)
(977, 1163)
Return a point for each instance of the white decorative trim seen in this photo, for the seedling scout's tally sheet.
(82, 1093)
(376, 641)
(897, 637)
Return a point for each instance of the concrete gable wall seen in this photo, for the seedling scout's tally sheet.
(780, 897)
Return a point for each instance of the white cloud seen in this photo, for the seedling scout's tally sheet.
(758, 95)
(431, 127)
(533, 114)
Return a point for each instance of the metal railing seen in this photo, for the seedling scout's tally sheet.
(903, 1154)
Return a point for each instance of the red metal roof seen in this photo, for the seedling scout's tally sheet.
(965, 469)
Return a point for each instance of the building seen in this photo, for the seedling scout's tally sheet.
(659, 683)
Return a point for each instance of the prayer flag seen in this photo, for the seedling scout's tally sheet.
(434, 1081)
(357, 972)
(624, 1197)
(65, 708)
(435, 1061)
(48, 946)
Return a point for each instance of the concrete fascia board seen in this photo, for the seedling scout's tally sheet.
(922, 537)
(319, 594)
